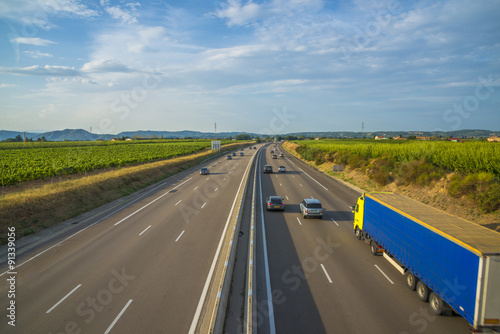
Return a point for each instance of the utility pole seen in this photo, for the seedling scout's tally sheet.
(215, 130)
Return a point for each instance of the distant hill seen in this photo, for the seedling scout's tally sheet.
(81, 135)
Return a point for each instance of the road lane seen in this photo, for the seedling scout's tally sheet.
(157, 256)
(360, 298)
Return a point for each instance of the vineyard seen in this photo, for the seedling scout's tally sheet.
(41, 160)
(464, 157)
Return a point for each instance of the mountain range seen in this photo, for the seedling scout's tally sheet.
(81, 135)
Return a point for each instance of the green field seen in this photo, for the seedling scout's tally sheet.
(467, 157)
(41, 160)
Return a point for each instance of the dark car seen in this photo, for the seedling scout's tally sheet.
(229, 157)
(275, 203)
(275, 156)
(234, 154)
(272, 151)
(268, 169)
(204, 171)
(282, 155)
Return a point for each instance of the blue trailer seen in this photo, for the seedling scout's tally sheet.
(450, 262)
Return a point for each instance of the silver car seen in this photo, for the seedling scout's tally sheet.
(311, 207)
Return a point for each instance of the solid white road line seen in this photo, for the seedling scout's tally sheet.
(118, 317)
(335, 222)
(83, 229)
(270, 307)
(63, 298)
(180, 235)
(384, 274)
(313, 179)
(197, 313)
(204, 205)
(147, 228)
(299, 221)
(178, 202)
(326, 273)
(195, 187)
(145, 206)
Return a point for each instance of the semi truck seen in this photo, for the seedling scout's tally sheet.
(452, 263)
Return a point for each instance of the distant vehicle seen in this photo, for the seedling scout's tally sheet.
(229, 157)
(242, 149)
(268, 169)
(311, 207)
(275, 203)
(282, 169)
(282, 155)
(272, 151)
(436, 251)
(254, 147)
(275, 156)
(204, 171)
(242, 154)
(234, 154)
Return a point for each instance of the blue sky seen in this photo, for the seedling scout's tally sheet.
(267, 66)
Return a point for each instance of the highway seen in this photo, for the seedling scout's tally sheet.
(141, 270)
(144, 267)
(324, 280)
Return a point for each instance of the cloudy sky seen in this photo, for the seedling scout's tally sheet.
(264, 66)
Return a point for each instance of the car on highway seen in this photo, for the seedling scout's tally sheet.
(268, 169)
(229, 157)
(242, 154)
(310, 207)
(234, 154)
(275, 156)
(272, 151)
(275, 203)
(255, 147)
(282, 169)
(204, 171)
(282, 155)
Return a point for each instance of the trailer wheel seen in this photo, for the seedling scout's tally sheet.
(374, 247)
(422, 291)
(436, 303)
(358, 233)
(411, 280)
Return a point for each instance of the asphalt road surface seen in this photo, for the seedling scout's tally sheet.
(322, 279)
(141, 270)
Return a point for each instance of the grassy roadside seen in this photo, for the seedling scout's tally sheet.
(34, 209)
(434, 193)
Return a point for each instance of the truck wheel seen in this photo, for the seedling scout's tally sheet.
(358, 233)
(411, 280)
(374, 247)
(422, 291)
(436, 303)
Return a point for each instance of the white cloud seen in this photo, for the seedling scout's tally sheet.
(37, 54)
(37, 12)
(109, 65)
(120, 14)
(46, 70)
(239, 14)
(32, 41)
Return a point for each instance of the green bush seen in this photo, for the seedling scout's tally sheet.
(483, 188)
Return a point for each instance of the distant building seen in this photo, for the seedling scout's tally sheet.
(381, 138)
(423, 138)
(399, 138)
(494, 139)
(456, 140)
